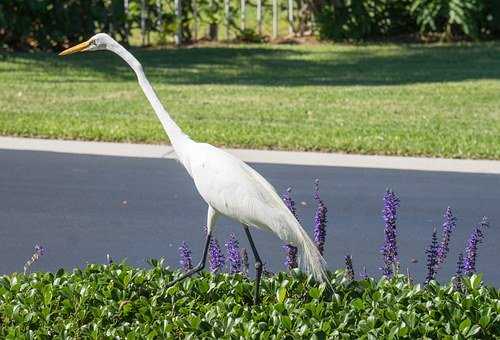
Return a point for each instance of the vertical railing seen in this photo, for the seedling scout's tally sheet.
(227, 18)
(159, 8)
(143, 22)
(275, 19)
(259, 17)
(297, 16)
(196, 23)
(243, 15)
(178, 15)
(126, 18)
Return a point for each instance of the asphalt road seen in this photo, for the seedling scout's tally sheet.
(83, 207)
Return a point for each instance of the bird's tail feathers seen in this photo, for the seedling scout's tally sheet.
(310, 259)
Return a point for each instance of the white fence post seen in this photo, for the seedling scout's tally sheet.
(143, 22)
(227, 16)
(290, 17)
(126, 12)
(159, 6)
(275, 19)
(243, 14)
(259, 17)
(178, 14)
(196, 22)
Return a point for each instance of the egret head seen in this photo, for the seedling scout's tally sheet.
(100, 41)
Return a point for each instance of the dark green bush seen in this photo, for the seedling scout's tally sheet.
(48, 24)
(360, 19)
(52, 24)
(118, 301)
(450, 17)
(363, 19)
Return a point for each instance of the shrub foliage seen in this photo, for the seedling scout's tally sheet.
(51, 24)
(110, 301)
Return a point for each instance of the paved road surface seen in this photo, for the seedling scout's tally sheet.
(83, 207)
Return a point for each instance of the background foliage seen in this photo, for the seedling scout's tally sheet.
(51, 24)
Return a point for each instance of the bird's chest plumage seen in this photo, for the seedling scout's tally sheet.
(223, 183)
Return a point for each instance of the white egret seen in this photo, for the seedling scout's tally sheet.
(229, 186)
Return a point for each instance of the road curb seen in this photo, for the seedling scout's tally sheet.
(257, 156)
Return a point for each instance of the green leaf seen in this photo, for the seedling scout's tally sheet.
(403, 331)
(464, 326)
(281, 294)
(473, 331)
(358, 304)
(286, 322)
(484, 321)
(315, 293)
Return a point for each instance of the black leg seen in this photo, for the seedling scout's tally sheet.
(258, 266)
(196, 269)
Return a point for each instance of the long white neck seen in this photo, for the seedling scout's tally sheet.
(178, 139)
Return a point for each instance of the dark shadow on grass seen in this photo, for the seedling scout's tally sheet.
(292, 66)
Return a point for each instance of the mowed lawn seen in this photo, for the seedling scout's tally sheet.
(432, 100)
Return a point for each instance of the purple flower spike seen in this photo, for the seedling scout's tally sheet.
(39, 252)
(233, 254)
(291, 256)
(364, 274)
(449, 224)
(457, 280)
(348, 267)
(186, 260)
(319, 220)
(390, 250)
(290, 203)
(244, 261)
(217, 259)
(291, 251)
(432, 254)
(475, 238)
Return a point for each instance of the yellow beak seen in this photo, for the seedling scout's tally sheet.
(78, 48)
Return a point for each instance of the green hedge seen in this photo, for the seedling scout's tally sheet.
(363, 19)
(51, 24)
(118, 301)
(48, 24)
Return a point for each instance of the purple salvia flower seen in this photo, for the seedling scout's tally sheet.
(233, 254)
(390, 250)
(363, 274)
(244, 260)
(432, 253)
(409, 278)
(217, 259)
(449, 224)
(291, 256)
(457, 280)
(186, 260)
(39, 252)
(291, 251)
(290, 203)
(267, 273)
(319, 220)
(475, 238)
(348, 267)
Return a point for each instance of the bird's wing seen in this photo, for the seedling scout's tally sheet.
(236, 190)
(232, 187)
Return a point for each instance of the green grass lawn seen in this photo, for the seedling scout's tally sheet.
(434, 100)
